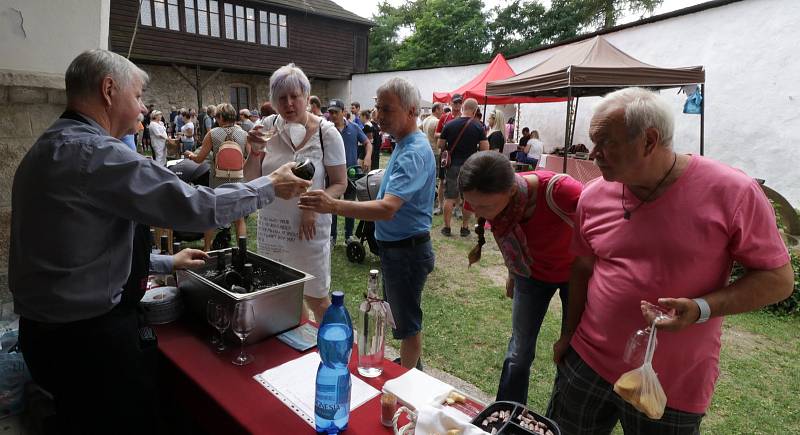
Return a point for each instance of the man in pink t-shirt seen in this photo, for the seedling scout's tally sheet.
(664, 229)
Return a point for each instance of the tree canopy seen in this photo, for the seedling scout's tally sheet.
(446, 32)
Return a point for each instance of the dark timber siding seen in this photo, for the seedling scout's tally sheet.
(323, 47)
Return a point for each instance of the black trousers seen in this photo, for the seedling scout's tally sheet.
(101, 379)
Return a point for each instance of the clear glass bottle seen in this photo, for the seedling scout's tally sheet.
(371, 330)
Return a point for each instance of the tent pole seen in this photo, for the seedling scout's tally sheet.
(702, 117)
(574, 117)
(485, 101)
(566, 126)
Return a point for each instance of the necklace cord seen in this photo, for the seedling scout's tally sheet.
(628, 213)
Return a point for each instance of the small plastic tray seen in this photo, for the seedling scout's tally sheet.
(512, 426)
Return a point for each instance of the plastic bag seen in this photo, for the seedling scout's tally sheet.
(640, 387)
(694, 103)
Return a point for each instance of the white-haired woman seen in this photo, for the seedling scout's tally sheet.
(497, 135)
(300, 239)
(227, 130)
(158, 137)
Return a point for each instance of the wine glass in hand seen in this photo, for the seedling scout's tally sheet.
(211, 312)
(222, 319)
(243, 322)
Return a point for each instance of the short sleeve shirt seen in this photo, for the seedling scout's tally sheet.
(468, 144)
(352, 135)
(410, 176)
(682, 244)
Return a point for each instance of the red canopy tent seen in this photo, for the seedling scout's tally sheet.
(498, 69)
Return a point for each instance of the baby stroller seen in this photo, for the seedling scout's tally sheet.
(366, 187)
(196, 174)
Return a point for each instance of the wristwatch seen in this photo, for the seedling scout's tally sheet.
(705, 310)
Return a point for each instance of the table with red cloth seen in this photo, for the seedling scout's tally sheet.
(581, 170)
(225, 399)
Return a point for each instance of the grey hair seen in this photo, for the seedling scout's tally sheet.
(643, 109)
(406, 92)
(87, 71)
(286, 79)
(227, 112)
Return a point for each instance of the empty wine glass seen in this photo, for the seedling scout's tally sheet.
(211, 308)
(222, 320)
(636, 347)
(243, 322)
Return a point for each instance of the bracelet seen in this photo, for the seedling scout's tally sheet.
(705, 310)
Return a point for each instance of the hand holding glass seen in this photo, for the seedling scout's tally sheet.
(244, 321)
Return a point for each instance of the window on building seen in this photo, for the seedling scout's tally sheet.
(240, 23)
(146, 14)
(160, 12)
(190, 15)
(262, 27)
(240, 97)
(174, 18)
(213, 18)
(277, 30)
(202, 17)
(251, 24)
(229, 31)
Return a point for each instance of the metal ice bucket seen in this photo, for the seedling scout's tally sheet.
(277, 308)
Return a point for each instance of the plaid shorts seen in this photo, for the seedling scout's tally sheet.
(584, 403)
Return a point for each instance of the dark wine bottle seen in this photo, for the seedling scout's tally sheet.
(241, 255)
(176, 247)
(164, 245)
(153, 245)
(220, 262)
(247, 278)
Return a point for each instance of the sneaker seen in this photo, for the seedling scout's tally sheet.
(446, 231)
(437, 211)
(351, 239)
(464, 232)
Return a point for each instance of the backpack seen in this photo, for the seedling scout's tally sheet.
(229, 161)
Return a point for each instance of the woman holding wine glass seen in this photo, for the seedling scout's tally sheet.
(286, 234)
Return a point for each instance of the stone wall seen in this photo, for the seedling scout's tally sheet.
(29, 103)
(168, 88)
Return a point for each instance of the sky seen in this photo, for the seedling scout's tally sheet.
(366, 8)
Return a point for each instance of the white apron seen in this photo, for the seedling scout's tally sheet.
(279, 222)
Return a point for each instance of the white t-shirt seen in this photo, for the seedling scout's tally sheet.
(185, 130)
(536, 148)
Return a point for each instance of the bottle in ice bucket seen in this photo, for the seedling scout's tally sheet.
(335, 344)
(371, 330)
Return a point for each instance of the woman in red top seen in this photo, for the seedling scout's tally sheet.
(534, 235)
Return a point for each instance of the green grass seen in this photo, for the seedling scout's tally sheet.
(467, 325)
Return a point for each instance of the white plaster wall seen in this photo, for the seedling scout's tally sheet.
(51, 33)
(750, 52)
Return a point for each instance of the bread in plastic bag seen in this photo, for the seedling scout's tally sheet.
(640, 387)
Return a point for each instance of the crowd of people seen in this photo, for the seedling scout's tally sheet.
(659, 228)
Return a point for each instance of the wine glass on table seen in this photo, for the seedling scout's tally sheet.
(222, 319)
(243, 322)
(211, 312)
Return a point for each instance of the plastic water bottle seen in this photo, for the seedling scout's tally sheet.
(335, 344)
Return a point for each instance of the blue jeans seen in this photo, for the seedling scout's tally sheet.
(531, 299)
(405, 271)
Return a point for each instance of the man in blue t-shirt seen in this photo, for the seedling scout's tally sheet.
(402, 213)
(352, 135)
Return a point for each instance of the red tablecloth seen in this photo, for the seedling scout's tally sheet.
(225, 398)
(581, 170)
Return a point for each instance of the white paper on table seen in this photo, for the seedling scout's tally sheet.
(294, 382)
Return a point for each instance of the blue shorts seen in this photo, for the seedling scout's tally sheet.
(405, 270)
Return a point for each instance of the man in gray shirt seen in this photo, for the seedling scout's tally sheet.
(76, 197)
